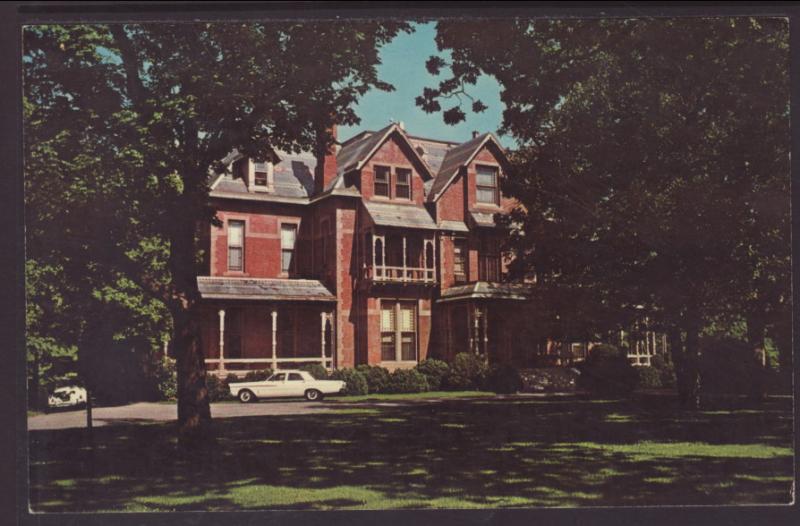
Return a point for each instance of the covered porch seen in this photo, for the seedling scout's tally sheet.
(250, 324)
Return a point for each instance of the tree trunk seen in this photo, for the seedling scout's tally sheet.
(678, 355)
(690, 398)
(194, 412)
(34, 388)
(755, 337)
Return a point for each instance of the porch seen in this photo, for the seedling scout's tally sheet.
(250, 324)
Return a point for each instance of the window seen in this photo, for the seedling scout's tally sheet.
(402, 186)
(277, 377)
(288, 236)
(261, 179)
(489, 260)
(235, 245)
(398, 331)
(295, 377)
(460, 260)
(382, 181)
(486, 184)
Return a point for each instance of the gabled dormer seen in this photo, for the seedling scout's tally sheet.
(384, 166)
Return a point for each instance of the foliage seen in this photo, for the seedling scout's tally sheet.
(219, 388)
(554, 379)
(165, 378)
(503, 378)
(257, 376)
(649, 377)
(123, 124)
(665, 368)
(315, 370)
(356, 382)
(377, 377)
(652, 171)
(728, 366)
(468, 371)
(435, 371)
(607, 371)
(407, 381)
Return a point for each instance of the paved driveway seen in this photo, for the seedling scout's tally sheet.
(144, 412)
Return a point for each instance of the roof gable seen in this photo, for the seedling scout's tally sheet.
(458, 156)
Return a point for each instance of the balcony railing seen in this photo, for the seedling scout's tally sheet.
(388, 274)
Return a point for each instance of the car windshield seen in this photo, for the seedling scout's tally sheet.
(62, 395)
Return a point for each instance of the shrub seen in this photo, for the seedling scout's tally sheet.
(218, 388)
(435, 371)
(166, 379)
(504, 379)
(257, 376)
(468, 371)
(729, 366)
(649, 377)
(356, 382)
(407, 381)
(607, 372)
(316, 370)
(665, 368)
(552, 379)
(377, 378)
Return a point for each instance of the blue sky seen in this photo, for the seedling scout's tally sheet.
(403, 65)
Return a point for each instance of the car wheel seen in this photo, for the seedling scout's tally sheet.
(246, 396)
(312, 395)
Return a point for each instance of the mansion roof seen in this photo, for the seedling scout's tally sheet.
(230, 288)
(487, 290)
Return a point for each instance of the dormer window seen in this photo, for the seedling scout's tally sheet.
(261, 176)
(261, 179)
(402, 187)
(486, 185)
(382, 181)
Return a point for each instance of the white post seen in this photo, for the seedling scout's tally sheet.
(323, 317)
(383, 256)
(221, 367)
(334, 347)
(405, 260)
(485, 318)
(374, 255)
(274, 340)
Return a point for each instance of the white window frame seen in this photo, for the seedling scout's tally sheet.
(240, 246)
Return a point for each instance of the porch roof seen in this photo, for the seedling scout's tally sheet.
(263, 289)
(487, 290)
(405, 216)
(482, 219)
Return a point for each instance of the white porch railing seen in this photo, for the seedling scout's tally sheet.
(274, 363)
(387, 273)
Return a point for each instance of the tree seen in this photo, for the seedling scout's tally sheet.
(150, 110)
(653, 162)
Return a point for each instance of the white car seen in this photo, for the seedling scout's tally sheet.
(286, 384)
(71, 396)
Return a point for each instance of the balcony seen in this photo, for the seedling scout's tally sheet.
(400, 274)
(399, 258)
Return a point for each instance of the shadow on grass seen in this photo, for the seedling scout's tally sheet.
(455, 454)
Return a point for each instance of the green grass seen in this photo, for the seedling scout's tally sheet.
(458, 453)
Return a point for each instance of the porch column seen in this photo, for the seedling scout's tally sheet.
(405, 260)
(221, 366)
(323, 316)
(334, 347)
(485, 319)
(274, 340)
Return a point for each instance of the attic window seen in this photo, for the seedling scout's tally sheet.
(382, 181)
(486, 184)
(261, 178)
(402, 183)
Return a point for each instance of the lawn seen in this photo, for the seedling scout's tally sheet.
(457, 453)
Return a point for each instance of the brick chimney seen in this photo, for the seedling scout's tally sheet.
(325, 171)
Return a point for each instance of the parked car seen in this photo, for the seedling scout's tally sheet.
(286, 384)
(71, 396)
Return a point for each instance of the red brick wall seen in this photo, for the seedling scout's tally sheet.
(262, 243)
(345, 272)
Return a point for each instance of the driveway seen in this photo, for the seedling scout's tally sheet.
(146, 412)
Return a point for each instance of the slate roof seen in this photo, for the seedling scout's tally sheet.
(485, 219)
(293, 176)
(487, 290)
(453, 226)
(228, 288)
(407, 216)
